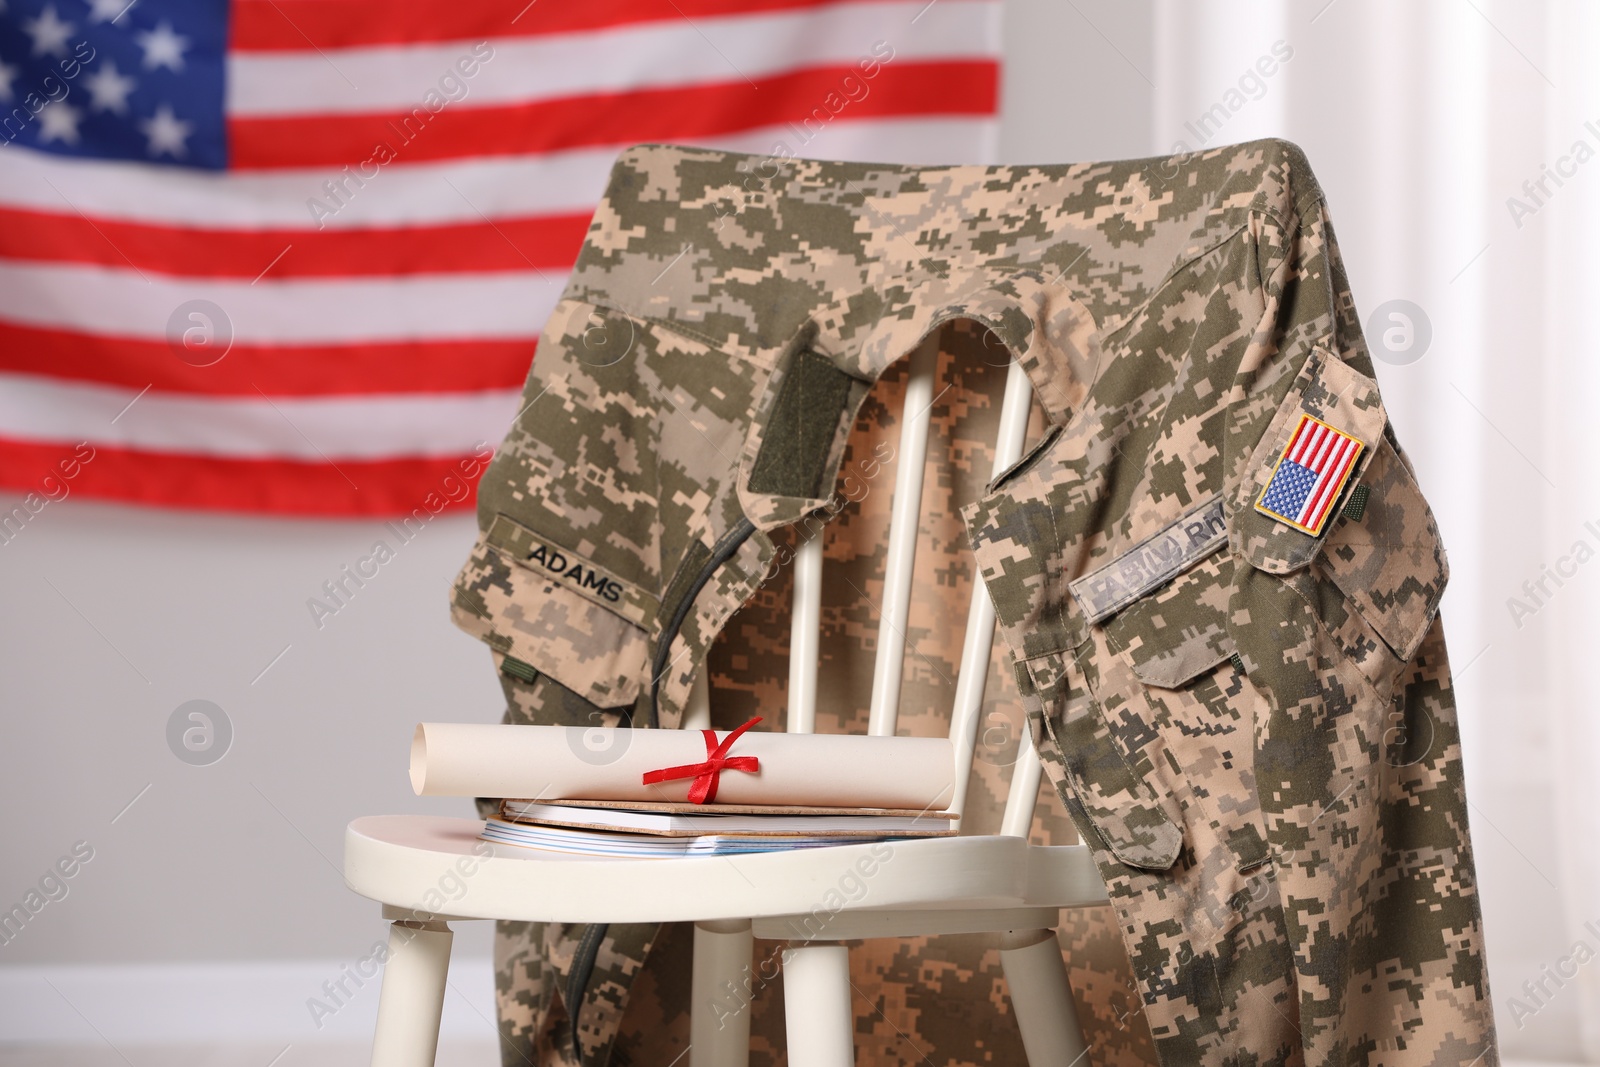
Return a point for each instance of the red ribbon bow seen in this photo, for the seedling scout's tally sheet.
(704, 790)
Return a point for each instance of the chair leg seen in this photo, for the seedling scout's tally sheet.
(1041, 997)
(411, 1000)
(721, 989)
(816, 1006)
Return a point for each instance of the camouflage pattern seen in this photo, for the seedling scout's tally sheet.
(1259, 743)
(1236, 740)
(901, 1017)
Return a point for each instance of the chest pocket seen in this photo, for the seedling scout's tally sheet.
(1179, 632)
(548, 611)
(1107, 779)
(1170, 664)
(1153, 724)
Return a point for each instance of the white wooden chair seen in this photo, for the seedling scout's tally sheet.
(971, 884)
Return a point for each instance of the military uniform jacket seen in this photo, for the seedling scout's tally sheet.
(1215, 572)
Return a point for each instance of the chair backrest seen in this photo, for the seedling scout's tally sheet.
(893, 618)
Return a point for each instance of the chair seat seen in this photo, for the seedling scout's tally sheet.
(440, 866)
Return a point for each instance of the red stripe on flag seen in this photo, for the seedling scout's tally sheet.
(1334, 477)
(1313, 494)
(398, 487)
(539, 243)
(1305, 439)
(1315, 437)
(298, 25)
(311, 370)
(1327, 450)
(1295, 439)
(956, 87)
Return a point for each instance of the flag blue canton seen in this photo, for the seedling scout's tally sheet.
(113, 79)
(1287, 492)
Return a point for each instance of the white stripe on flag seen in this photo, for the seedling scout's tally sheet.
(313, 429)
(669, 53)
(312, 311)
(453, 191)
(558, 183)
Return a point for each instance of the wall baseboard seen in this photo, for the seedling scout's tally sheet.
(182, 1003)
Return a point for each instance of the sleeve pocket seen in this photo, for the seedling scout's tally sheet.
(550, 610)
(1123, 810)
(1379, 558)
(1344, 401)
(1388, 559)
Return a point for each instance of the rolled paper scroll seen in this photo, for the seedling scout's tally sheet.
(603, 764)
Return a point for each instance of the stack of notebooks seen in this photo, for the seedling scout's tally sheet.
(600, 828)
(634, 793)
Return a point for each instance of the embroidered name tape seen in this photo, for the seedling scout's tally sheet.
(1153, 562)
(571, 571)
(1310, 473)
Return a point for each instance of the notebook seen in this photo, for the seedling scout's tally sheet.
(673, 821)
(644, 846)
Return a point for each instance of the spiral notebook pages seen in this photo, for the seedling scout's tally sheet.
(747, 821)
(610, 831)
(615, 843)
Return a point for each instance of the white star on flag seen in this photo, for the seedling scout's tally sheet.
(49, 33)
(109, 89)
(58, 121)
(162, 47)
(166, 132)
(6, 76)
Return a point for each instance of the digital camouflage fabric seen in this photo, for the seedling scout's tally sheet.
(917, 998)
(1249, 720)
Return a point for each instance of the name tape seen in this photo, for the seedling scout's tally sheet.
(1153, 562)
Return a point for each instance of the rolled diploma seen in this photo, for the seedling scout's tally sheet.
(598, 763)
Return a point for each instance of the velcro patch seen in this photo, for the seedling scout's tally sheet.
(1309, 475)
(1153, 562)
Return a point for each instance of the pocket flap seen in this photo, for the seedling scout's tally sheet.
(1180, 632)
(555, 611)
(1315, 449)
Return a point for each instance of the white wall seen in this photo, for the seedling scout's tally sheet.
(213, 907)
(116, 616)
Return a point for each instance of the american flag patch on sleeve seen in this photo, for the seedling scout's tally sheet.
(1311, 472)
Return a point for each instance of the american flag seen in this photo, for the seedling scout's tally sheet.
(1311, 470)
(294, 255)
